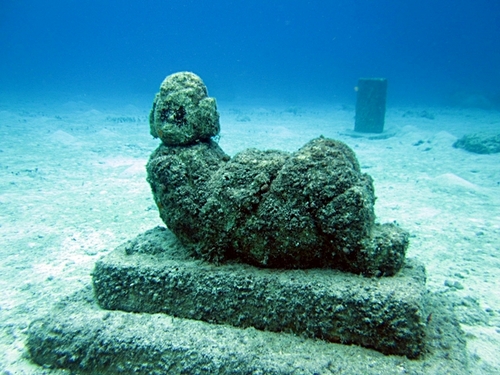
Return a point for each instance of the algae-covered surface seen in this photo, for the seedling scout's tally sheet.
(479, 143)
(73, 187)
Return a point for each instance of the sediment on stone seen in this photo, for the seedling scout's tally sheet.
(79, 336)
(387, 314)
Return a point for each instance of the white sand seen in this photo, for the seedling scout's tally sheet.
(72, 187)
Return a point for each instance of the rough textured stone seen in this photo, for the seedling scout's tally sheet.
(479, 143)
(182, 112)
(153, 274)
(178, 176)
(78, 336)
(311, 208)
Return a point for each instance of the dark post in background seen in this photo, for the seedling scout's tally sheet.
(370, 105)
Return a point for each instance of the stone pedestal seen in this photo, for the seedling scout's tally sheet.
(148, 275)
(155, 310)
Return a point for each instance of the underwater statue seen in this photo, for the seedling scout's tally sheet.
(272, 263)
(310, 208)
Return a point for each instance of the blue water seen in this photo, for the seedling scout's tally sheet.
(297, 51)
(72, 178)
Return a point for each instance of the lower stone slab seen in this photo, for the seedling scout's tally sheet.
(79, 336)
(152, 274)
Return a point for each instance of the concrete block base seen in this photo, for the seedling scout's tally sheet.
(83, 338)
(155, 310)
(152, 274)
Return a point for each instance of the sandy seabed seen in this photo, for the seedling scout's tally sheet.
(73, 187)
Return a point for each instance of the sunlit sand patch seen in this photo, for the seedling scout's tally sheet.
(136, 169)
(106, 133)
(452, 181)
(116, 162)
(426, 213)
(60, 136)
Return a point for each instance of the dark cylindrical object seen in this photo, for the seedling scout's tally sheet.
(370, 105)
